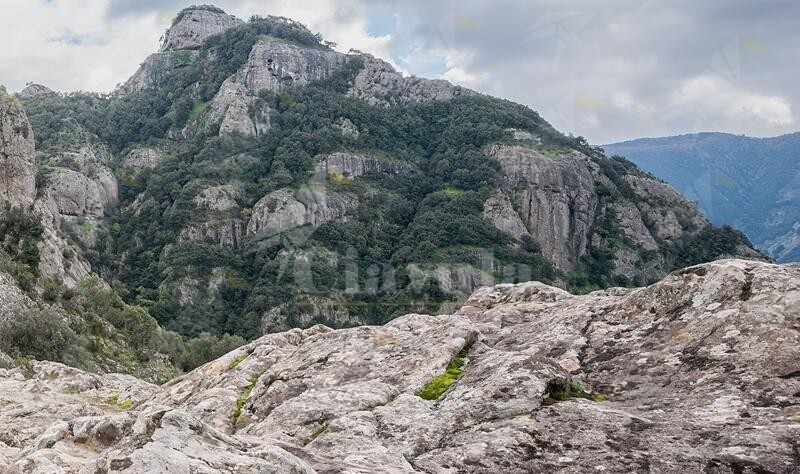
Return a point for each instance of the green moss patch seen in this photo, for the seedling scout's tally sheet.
(315, 435)
(235, 362)
(440, 383)
(557, 392)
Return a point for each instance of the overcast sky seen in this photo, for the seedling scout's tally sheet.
(608, 70)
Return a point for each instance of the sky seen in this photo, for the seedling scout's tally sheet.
(608, 71)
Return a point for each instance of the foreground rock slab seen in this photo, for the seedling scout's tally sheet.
(697, 373)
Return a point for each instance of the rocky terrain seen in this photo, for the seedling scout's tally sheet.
(697, 373)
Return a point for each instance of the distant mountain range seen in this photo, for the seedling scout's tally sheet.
(752, 184)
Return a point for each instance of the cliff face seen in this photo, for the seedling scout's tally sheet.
(622, 380)
(18, 189)
(17, 167)
(560, 197)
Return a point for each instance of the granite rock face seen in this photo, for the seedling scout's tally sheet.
(141, 158)
(17, 167)
(11, 298)
(698, 373)
(222, 223)
(192, 27)
(87, 188)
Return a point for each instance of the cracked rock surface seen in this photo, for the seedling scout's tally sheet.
(699, 373)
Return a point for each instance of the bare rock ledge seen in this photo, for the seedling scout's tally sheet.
(697, 373)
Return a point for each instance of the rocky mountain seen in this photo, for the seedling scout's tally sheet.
(250, 178)
(696, 373)
(750, 183)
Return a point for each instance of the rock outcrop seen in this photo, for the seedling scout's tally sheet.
(351, 165)
(273, 65)
(17, 167)
(11, 298)
(222, 222)
(179, 46)
(33, 90)
(697, 373)
(555, 197)
(378, 83)
(83, 185)
(559, 198)
(285, 209)
(142, 158)
(194, 25)
(156, 70)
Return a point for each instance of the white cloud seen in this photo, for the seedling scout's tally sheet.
(71, 45)
(773, 110)
(726, 106)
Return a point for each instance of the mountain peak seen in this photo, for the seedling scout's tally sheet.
(193, 25)
(33, 89)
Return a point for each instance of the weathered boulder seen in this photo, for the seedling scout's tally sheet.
(17, 166)
(194, 25)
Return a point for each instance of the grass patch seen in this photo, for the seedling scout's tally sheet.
(244, 396)
(336, 177)
(450, 191)
(121, 404)
(125, 404)
(316, 434)
(440, 383)
(198, 109)
(556, 392)
(235, 362)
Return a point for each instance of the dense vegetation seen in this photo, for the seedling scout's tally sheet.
(431, 213)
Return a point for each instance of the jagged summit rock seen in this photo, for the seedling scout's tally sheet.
(697, 373)
(196, 24)
(33, 89)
